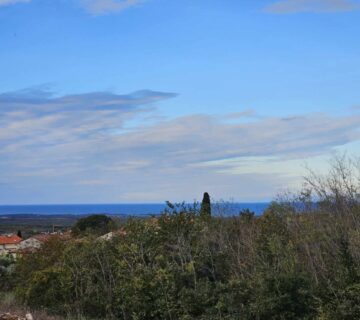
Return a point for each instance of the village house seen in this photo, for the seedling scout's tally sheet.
(14, 245)
(9, 244)
(30, 244)
(35, 242)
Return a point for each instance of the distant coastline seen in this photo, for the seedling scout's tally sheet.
(117, 209)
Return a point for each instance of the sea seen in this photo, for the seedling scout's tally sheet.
(227, 209)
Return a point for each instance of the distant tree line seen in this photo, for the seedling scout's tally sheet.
(296, 261)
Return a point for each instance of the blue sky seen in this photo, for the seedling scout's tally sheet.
(153, 100)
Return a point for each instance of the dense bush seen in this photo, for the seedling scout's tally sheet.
(297, 261)
(7, 264)
(181, 266)
(96, 224)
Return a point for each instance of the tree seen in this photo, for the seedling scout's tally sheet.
(97, 224)
(205, 210)
(246, 214)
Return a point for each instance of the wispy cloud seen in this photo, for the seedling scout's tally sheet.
(95, 7)
(98, 7)
(319, 6)
(82, 144)
(9, 2)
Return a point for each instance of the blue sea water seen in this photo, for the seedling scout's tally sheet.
(121, 209)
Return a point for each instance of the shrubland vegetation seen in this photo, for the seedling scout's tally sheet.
(299, 260)
(97, 224)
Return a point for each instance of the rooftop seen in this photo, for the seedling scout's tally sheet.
(10, 239)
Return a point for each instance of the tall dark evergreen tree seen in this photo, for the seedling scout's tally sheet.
(205, 210)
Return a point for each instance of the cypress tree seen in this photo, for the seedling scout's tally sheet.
(205, 210)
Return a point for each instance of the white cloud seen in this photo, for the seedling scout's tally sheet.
(296, 6)
(77, 148)
(9, 2)
(99, 7)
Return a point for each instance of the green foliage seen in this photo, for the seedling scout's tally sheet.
(39, 277)
(205, 210)
(246, 214)
(282, 265)
(6, 272)
(97, 224)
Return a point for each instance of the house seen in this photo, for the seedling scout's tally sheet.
(9, 244)
(30, 244)
(35, 242)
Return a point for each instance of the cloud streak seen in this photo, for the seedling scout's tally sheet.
(98, 7)
(84, 144)
(10, 2)
(316, 6)
(94, 7)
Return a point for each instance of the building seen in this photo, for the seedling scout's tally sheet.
(35, 242)
(30, 244)
(9, 244)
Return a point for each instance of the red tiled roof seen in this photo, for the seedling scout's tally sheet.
(10, 239)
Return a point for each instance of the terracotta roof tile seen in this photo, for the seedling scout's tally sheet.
(10, 239)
